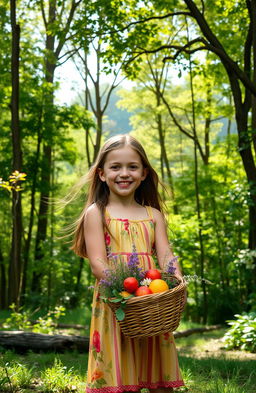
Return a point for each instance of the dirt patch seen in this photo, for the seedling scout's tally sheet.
(214, 347)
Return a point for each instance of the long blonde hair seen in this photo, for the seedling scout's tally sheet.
(98, 192)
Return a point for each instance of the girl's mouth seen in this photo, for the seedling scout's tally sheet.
(123, 184)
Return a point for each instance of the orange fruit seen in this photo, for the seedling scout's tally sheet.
(158, 286)
(125, 294)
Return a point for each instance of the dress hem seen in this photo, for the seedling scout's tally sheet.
(134, 388)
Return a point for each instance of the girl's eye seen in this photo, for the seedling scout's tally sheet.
(134, 167)
(115, 167)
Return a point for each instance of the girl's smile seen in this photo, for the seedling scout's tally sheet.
(123, 171)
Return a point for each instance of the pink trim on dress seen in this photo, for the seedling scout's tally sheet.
(134, 388)
(130, 253)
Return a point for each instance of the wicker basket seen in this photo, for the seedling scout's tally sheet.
(155, 314)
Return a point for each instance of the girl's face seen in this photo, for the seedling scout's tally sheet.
(123, 171)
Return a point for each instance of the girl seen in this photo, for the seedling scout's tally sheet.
(123, 213)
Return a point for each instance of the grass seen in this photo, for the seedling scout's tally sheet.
(218, 375)
(206, 367)
(47, 372)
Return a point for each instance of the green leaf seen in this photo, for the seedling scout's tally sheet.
(115, 300)
(120, 314)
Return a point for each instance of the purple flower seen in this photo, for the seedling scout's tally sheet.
(104, 282)
(133, 261)
(169, 266)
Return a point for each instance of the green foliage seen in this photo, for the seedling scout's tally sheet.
(21, 320)
(13, 182)
(15, 376)
(59, 379)
(242, 333)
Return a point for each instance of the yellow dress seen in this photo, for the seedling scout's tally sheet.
(117, 363)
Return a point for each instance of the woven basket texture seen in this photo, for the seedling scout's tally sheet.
(155, 314)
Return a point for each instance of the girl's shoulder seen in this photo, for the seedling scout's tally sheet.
(157, 215)
(92, 212)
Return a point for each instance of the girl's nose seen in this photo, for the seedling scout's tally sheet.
(124, 172)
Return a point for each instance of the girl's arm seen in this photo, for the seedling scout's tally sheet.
(95, 243)
(163, 250)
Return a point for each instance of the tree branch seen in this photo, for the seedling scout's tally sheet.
(66, 28)
(149, 19)
(43, 14)
(195, 139)
(217, 47)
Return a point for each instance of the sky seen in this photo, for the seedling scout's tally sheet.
(71, 82)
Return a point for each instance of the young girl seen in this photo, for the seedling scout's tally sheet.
(123, 214)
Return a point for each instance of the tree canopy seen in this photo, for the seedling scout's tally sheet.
(192, 71)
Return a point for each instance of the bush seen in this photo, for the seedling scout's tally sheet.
(242, 333)
(14, 376)
(59, 379)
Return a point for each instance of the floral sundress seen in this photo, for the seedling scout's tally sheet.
(117, 363)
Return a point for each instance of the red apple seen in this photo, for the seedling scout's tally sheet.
(154, 274)
(131, 284)
(141, 291)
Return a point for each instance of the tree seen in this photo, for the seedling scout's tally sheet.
(207, 35)
(15, 267)
(58, 25)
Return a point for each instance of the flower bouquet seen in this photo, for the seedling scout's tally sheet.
(145, 303)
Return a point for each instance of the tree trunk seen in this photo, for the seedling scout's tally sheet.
(15, 255)
(87, 130)
(253, 19)
(198, 205)
(52, 56)
(50, 65)
(32, 210)
(24, 341)
(208, 120)
(236, 76)
(163, 148)
(99, 116)
(2, 282)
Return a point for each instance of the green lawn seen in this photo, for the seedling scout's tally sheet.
(206, 366)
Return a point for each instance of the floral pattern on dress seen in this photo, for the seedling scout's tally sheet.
(96, 340)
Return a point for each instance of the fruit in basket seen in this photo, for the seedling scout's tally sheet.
(158, 286)
(141, 291)
(125, 294)
(153, 274)
(131, 284)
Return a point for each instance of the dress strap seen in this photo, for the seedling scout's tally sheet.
(150, 212)
(106, 213)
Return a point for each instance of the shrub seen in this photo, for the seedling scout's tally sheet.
(14, 376)
(59, 379)
(242, 333)
(22, 320)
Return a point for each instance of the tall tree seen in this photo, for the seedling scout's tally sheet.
(58, 27)
(15, 258)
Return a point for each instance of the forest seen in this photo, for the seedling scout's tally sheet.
(178, 75)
